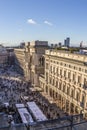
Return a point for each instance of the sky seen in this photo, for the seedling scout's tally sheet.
(49, 20)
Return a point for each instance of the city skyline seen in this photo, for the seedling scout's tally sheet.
(49, 20)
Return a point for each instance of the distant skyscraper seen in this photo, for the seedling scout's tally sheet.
(59, 44)
(67, 42)
(81, 44)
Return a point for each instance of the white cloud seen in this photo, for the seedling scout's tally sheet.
(48, 23)
(31, 21)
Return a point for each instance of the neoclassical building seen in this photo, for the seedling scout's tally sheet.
(36, 64)
(65, 80)
(30, 61)
(20, 63)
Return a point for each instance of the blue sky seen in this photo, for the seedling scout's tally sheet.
(51, 20)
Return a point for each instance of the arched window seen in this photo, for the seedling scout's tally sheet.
(41, 61)
(53, 81)
(57, 71)
(60, 84)
(51, 69)
(63, 87)
(56, 83)
(60, 71)
(77, 96)
(50, 80)
(68, 90)
(51, 92)
(72, 93)
(83, 99)
(56, 95)
(46, 89)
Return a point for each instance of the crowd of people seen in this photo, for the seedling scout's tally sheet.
(50, 110)
(13, 88)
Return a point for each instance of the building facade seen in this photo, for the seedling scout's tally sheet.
(30, 61)
(37, 50)
(3, 56)
(65, 80)
(22, 60)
